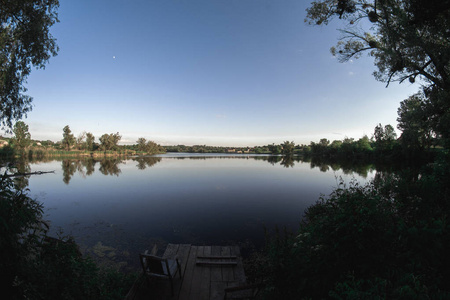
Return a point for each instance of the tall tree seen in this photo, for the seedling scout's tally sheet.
(274, 149)
(90, 141)
(363, 144)
(384, 137)
(142, 144)
(68, 138)
(152, 148)
(104, 142)
(414, 123)
(409, 39)
(115, 139)
(288, 148)
(81, 143)
(25, 41)
(110, 141)
(22, 137)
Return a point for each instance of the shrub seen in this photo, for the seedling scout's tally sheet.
(387, 239)
(35, 266)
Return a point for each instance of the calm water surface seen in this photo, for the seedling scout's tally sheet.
(118, 208)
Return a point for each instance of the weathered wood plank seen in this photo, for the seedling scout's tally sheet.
(205, 281)
(216, 263)
(216, 272)
(227, 273)
(239, 273)
(217, 290)
(183, 255)
(216, 257)
(196, 284)
(188, 274)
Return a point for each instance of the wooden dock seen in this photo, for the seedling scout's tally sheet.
(206, 272)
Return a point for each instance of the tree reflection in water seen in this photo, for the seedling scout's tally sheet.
(146, 161)
(111, 166)
(107, 166)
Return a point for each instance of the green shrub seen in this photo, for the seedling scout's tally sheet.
(388, 239)
(35, 266)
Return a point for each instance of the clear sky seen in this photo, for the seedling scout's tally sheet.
(215, 72)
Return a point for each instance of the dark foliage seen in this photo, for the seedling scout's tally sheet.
(386, 240)
(25, 41)
(35, 266)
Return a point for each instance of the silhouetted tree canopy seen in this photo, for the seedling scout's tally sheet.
(25, 41)
(413, 119)
(407, 38)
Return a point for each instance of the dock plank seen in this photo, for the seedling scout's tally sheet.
(198, 282)
(216, 272)
(205, 281)
(217, 290)
(183, 255)
(239, 273)
(189, 274)
(227, 272)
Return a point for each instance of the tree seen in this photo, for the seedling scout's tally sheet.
(104, 142)
(384, 137)
(141, 144)
(274, 149)
(324, 142)
(287, 148)
(115, 139)
(152, 148)
(22, 137)
(90, 141)
(25, 42)
(414, 123)
(347, 146)
(409, 39)
(110, 141)
(68, 138)
(81, 140)
(389, 133)
(363, 144)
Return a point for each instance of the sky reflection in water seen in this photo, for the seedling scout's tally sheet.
(133, 203)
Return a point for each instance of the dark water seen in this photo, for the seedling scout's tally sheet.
(117, 208)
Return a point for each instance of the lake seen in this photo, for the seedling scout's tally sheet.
(116, 208)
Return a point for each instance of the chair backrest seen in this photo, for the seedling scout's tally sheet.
(152, 264)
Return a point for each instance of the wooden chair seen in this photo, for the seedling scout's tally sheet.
(158, 267)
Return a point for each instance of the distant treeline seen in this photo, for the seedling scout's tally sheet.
(384, 145)
(285, 148)
(216, 149)
(22, 145)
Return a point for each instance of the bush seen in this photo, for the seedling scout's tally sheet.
(35, 266)
(387, 239)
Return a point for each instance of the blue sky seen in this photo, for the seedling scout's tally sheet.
(215, 72)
